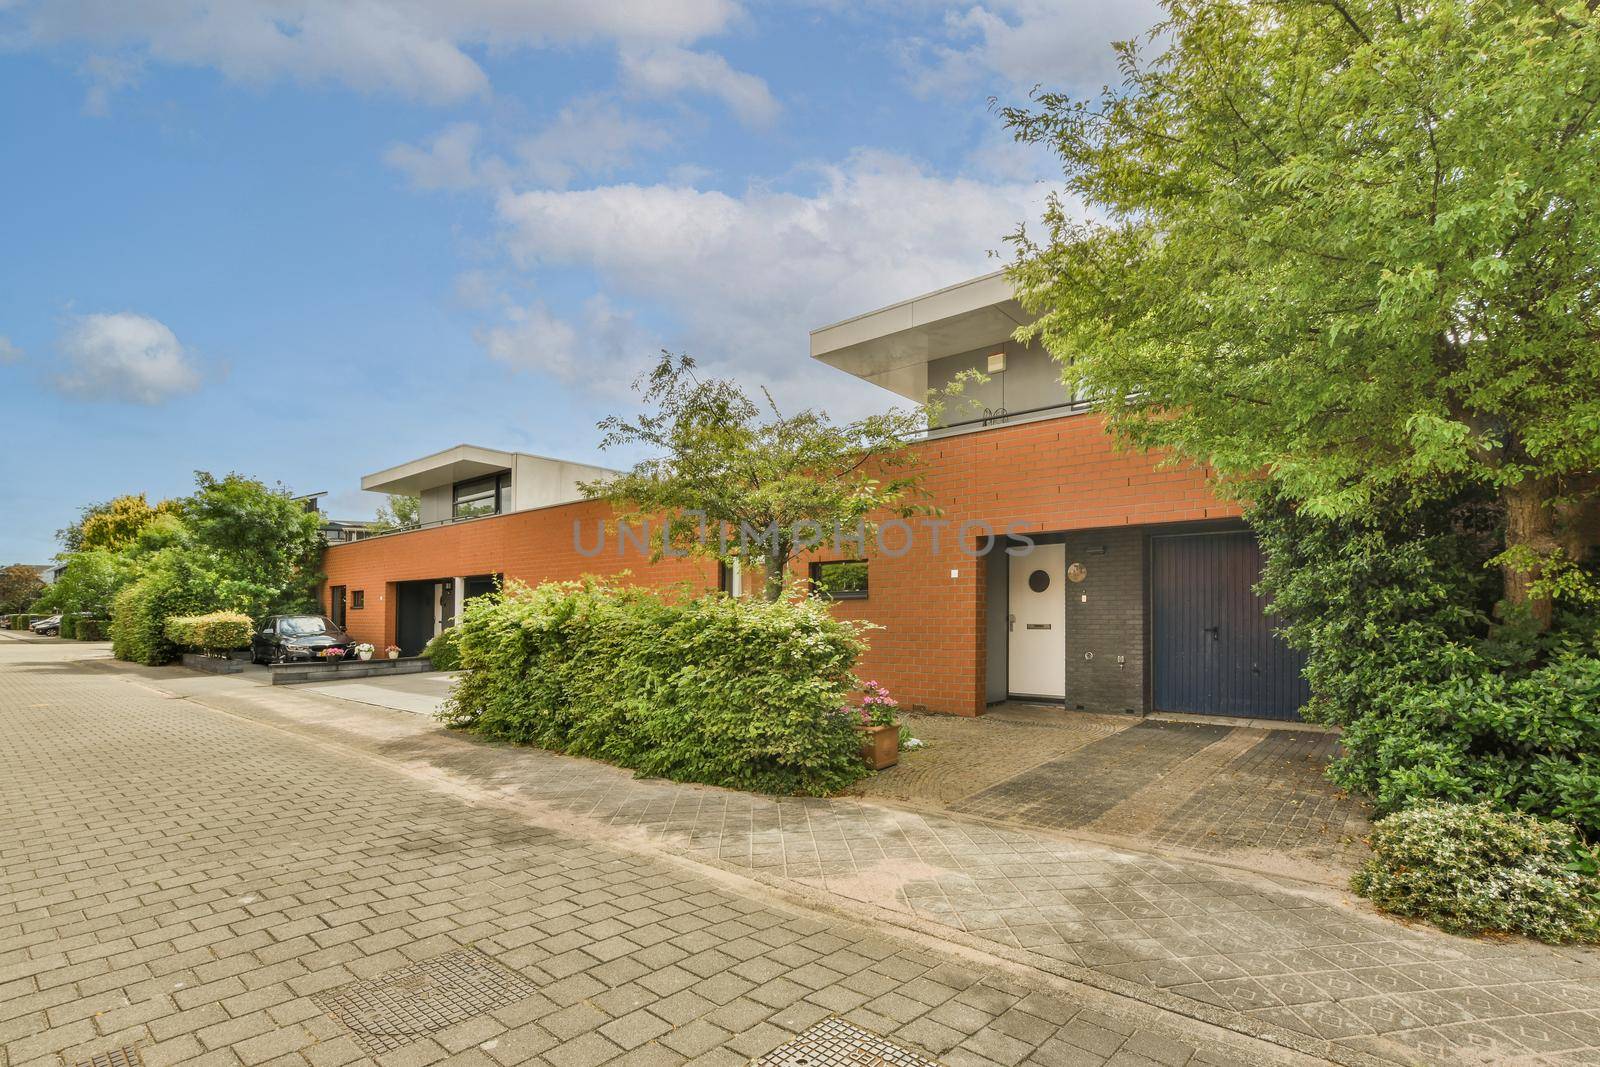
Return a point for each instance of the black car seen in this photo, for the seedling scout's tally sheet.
(285, 638)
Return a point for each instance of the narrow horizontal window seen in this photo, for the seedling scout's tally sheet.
(840, 579)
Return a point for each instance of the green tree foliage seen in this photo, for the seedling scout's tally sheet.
(20, 586)
(743, 693)
(1435, 701)
(720, 461)
(266, 546)
(1350, 244)
(88, 583)
(400, 513)
(114, 524)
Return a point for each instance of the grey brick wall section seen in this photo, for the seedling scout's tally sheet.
(1111, 622)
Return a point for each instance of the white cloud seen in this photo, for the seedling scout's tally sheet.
(603, 349)
(588, 137)
(1062, 44)
(670, 69)
(124, 356)
(746, 277)
(448, 161)
(415, 48)
(9, 353)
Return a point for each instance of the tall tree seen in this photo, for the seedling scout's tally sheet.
(400, 512)
(20, 586)
(742, 481)
(262, 539)
(1351, 244)
(113, 525)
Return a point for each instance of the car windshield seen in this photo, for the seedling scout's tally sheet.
(306, 626)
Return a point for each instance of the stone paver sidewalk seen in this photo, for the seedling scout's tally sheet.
(211, 891)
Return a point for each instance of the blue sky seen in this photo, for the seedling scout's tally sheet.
(308, 239)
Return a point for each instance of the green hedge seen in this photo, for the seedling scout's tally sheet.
(20, 621)
(444, 651)
(69, 626)
(1472, 869)
(89, 630)
(733, 692)
(214, 634)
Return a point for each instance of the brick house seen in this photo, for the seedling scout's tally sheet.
(1060, 570)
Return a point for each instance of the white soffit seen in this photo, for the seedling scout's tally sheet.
(456, 464)
(889, 345)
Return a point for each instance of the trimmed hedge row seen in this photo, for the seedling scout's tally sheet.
(214, 634)
(733, 692)
(21, 620)
(89, 630)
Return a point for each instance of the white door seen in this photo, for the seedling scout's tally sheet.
(1038, 611)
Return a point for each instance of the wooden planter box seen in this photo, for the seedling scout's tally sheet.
(880, 746)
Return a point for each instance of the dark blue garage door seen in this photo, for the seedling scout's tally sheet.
(1214, 649)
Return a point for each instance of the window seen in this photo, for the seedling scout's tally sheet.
(840, 579)
(358, 599)
(730, 578)
(336, 604)
(482, 496)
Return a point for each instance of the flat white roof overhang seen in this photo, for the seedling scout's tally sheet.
(453, 465)
(890, 346)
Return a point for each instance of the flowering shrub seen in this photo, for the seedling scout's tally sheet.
(736, 692)
(877, 707)
(1471, 869)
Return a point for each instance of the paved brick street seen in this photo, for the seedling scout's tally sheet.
(210, 890)
(380, 797)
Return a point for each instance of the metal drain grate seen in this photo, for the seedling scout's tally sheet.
(401, 1005)
(126, 1056)
(836, 1043)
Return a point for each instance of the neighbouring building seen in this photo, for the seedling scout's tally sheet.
(1061, 569)
(335, 531)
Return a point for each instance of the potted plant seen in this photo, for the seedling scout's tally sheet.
(332, 655)
(364, 651)
(393, 651)
(879, 728)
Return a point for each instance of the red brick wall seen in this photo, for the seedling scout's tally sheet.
(1057, 475)
(532, 546)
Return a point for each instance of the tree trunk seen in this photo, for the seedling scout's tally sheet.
(777, 570)
(1530, 527)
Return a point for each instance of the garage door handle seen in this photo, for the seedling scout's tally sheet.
(1214, 631)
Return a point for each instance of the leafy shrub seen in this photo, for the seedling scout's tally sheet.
(735, 692)
(89, 630)
(171, 585)
(1471, 869)
(444, 651)
(69, 626)
(214, 634)
(1435, 699)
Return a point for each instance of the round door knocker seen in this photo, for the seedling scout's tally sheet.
(1039, 581)
(1077, 572)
